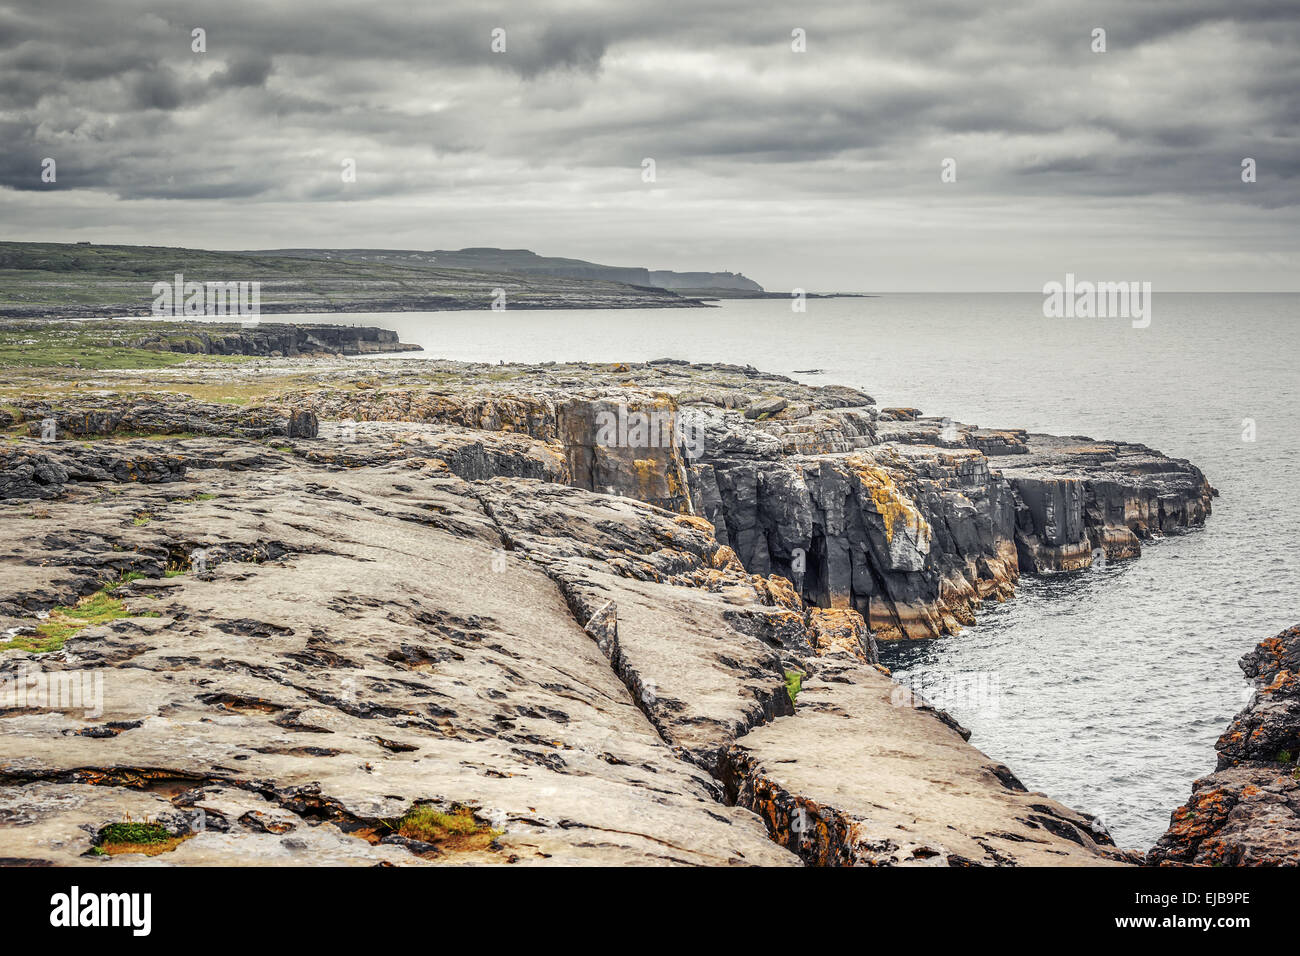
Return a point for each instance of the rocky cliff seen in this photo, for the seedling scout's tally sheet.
(1247, 813)
(567, 613)
(911, 521)
(524, 262)
(275, 339)
(678, 281)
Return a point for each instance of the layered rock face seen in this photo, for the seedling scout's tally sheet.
(152, 415)
(1247, 813)
(275, 339)
(1076, 495)
(915, 522)
(912, 537)
(911, 521)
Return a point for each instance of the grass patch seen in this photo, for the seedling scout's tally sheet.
(88, 357)
(457, 830)
(241, 392)
(100, 344)
(793, 684)
(63, 622)
(133, 434)
(132, 836)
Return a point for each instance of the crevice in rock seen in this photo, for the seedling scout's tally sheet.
(819, 835)
(598, 618)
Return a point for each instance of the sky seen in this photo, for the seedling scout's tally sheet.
(821, 168)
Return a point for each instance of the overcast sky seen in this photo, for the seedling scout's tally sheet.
(819, 169)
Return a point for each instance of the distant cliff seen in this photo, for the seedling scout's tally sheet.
(703, 280)
(525, 262)
(528, 263)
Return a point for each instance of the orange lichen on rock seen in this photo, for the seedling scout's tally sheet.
(777, 591)
(843, 630)
(696, 522)
(895, 509)
(724, 559)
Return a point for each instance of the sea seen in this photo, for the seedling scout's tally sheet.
(1104, 689)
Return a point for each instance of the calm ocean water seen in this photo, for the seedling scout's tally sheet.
(1105, 689)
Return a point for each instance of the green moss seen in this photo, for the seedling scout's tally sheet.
(193, 498)
(63, 622)
(1284, 756)
(793, 684)
(134, 832)
(132, 836)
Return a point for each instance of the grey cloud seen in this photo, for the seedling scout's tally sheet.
(574, 47)
(250, 70)
(157, 89)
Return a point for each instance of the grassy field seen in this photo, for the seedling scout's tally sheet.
(96, 344)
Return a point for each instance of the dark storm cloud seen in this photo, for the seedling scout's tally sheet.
(413, 94)
(575, 47)
(244, 71)
(157, 89)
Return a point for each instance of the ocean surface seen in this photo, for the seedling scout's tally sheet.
(1105, 689)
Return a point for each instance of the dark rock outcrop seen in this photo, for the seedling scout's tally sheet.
(915, 524)
(60, 420)
(278, 339)
(27, 472)
(1247, 813)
